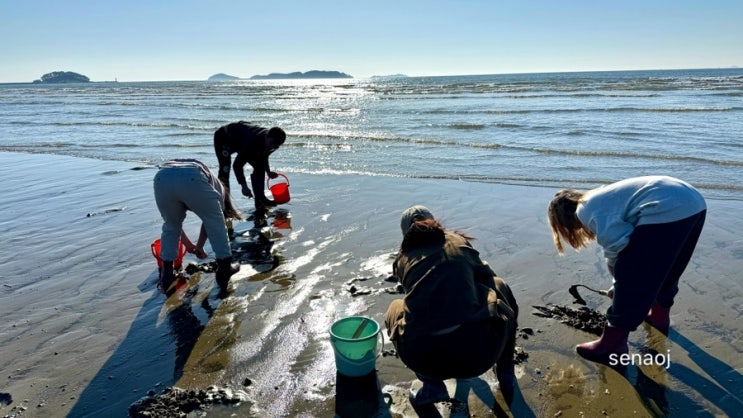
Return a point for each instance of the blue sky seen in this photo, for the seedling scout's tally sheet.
(144, 40)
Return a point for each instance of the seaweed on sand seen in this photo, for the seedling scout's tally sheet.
(583, 318)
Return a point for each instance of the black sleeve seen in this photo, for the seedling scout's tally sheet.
(240, 162)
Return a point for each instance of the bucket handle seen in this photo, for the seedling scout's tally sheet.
(182, 250)
(381, 347)
(154, 253)
(380, 334)
(268, 180)
(360, 328)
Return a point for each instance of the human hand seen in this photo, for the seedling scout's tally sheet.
(246, 191)
(610, 292)
(272, 174)
(199, 253)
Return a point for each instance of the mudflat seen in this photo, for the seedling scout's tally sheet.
(87, 333)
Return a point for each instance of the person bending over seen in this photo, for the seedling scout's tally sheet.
(187, 184)
(253, 145)
(458, 318)
(648, 228)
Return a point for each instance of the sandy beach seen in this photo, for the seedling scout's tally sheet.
(86, 333)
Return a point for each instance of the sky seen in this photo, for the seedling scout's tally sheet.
(162, 40)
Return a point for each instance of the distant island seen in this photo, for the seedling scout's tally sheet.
(62, 77)
(223, 77)
(308, 74)
(279, 76)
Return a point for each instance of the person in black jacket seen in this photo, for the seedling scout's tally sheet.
(253, 145)
(458, 318)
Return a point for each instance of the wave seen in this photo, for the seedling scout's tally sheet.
(348, 142)
(679, 109)
(467, 126)
(346, 139)
(51, 145)
(184, 134)
(507, 125)
(567, 84)
(341, 141)
(510, 180)
(340, 172)
(728, 94)
(582, 96)
(109, 145)
(203, 125)
(581, 110)
(728, 191)
(631, 155)
(156, 125)
(207, 144)
(158, 104)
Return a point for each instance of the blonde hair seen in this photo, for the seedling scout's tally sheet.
(564, 221)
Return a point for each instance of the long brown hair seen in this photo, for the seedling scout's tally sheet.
(229, 208)
(564, 221)
(426, 232)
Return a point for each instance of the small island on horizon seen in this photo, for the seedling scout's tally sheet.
(298, 74)
(313, 74)
(223, 77)
(58, 77)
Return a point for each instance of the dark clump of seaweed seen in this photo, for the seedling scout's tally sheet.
(583, 318)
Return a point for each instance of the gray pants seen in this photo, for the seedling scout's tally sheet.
(178, 189)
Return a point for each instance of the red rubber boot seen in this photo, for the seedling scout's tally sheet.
(659, 317)
(612, 341)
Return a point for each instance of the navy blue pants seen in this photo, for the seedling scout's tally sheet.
(649, 268)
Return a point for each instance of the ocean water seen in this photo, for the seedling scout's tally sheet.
(558, 129)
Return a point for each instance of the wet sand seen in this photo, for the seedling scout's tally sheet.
(86, 333)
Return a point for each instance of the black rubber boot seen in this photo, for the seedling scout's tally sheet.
(225, 269)
(167, 278)
(260, 215)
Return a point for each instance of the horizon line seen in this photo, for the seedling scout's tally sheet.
(400, 75)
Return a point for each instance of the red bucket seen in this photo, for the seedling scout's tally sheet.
(280, 191)
(155, 247)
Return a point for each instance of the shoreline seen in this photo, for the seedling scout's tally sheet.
(87, 333)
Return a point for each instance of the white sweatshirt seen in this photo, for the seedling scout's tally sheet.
(613, 211)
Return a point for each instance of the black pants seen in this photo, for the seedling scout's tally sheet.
(222, 150)
(649, 268)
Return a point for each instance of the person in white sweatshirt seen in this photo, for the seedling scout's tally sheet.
(648, 228)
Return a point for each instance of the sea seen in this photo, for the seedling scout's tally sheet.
(576, 129)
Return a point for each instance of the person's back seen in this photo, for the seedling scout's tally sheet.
(245, 138)
(440, 286)
(457, 318)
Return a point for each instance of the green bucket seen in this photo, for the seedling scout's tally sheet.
(356, 344)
